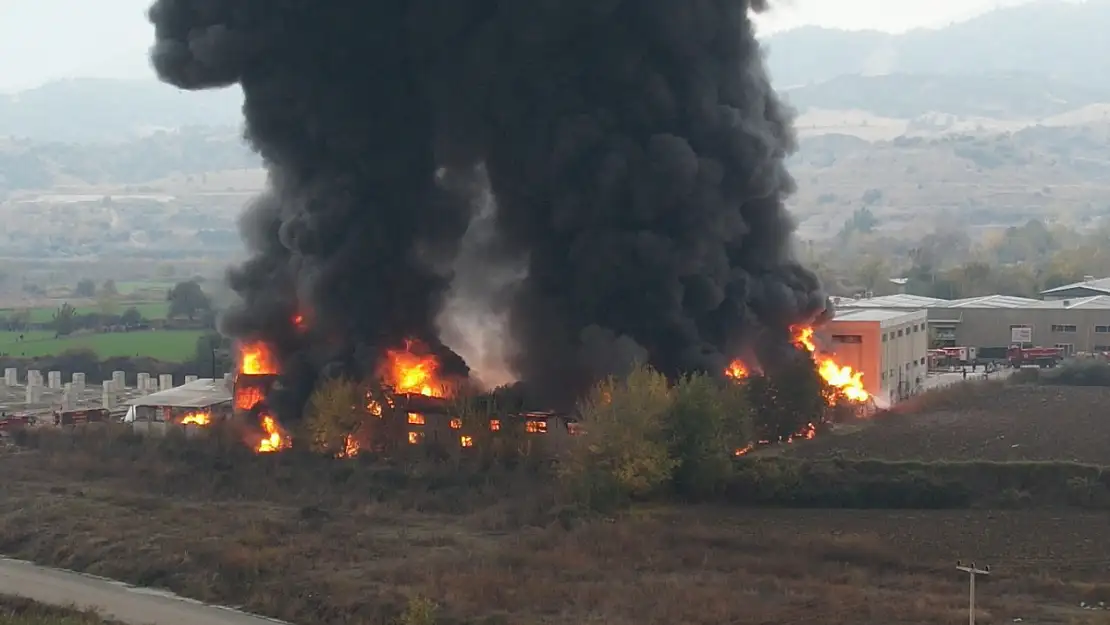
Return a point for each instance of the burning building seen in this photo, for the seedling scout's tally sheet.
(193, 405)
(603, 182)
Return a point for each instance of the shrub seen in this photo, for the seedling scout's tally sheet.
(1078, 373)
(624, 453)
(336, 410)
(706, 424)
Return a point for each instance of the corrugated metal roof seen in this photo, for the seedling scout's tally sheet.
(870, 314)
(900, 300)
(1097, 302)
(1100, 284)
(996, 301)
(196, 394)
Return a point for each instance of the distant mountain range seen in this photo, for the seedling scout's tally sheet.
(105, 110)
(1065, 40)
(1030, 61)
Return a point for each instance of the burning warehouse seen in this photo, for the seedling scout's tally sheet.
(544, 191)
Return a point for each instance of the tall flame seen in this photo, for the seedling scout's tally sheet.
(256, 358)
(844, 379)
(409, 372)
(273, 439)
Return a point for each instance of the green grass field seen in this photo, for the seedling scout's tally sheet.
(149, 310)
(168, 345)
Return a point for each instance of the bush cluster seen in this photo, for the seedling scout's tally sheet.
(646, 436)
(1071, 373)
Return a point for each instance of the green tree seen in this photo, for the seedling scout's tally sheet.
(188, 300)
(131, 316)
(85, 288)
(63, 319)
(624, 453)
(706, 424)
(336, 410)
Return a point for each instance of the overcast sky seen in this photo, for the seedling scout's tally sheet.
(43, 40)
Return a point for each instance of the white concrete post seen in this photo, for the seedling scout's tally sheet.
(119, 380)
(79, 382)
(143, 382)
(165, 381)
(54, 379)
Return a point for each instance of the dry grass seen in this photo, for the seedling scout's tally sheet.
(335, 543)
(991, 421)
(19, 611)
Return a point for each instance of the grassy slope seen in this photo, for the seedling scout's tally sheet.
(19, 611)
(316, 541)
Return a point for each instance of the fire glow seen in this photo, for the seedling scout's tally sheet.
(842, 378)
(409, 372)
(273, 440)
(196, 418)
(255, 358)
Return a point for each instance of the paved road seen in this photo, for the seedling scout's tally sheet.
(115, 600)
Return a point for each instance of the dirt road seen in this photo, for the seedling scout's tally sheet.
(115, 600)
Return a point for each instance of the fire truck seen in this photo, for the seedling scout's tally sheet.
(1040, 356)
(947, 357)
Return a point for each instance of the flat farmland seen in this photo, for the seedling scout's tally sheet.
(333, 544)
(167, 345)
(993, 421)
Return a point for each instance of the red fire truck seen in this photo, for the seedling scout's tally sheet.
(1040, 356)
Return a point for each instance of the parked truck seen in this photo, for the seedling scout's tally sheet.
(1040, 356)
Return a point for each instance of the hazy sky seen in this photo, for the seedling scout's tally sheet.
(42, 40)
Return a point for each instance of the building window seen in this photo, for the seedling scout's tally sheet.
(415, 418)
(884, 337)
(1067, 348)
(1066, 329)
(466, 441)
(456, 423)
(900, 333)
(535, 426)
(494, 425)
(1102, 329)
(415, 438)
(884, 375)
(908, 366)
(922, 361)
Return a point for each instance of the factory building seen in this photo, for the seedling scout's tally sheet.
(889, 346)
(994, 322)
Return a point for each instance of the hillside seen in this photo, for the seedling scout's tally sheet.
(103, 110)
(1065, 40)
(997, 96)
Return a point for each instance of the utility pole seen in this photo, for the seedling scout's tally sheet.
(972, 571)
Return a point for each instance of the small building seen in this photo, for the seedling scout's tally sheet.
(193, 404)
(890, 348)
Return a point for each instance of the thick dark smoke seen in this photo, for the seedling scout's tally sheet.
(634, 148)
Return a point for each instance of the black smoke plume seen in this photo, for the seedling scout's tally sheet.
(634, 149)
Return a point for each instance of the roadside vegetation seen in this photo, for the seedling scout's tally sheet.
(19, 611)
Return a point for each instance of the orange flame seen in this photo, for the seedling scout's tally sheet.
(255, 358)
(196, 418)
(736, 370)
(351, 447)
(272, 439)
(806, 433)
(847, 382)
(409, 372)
